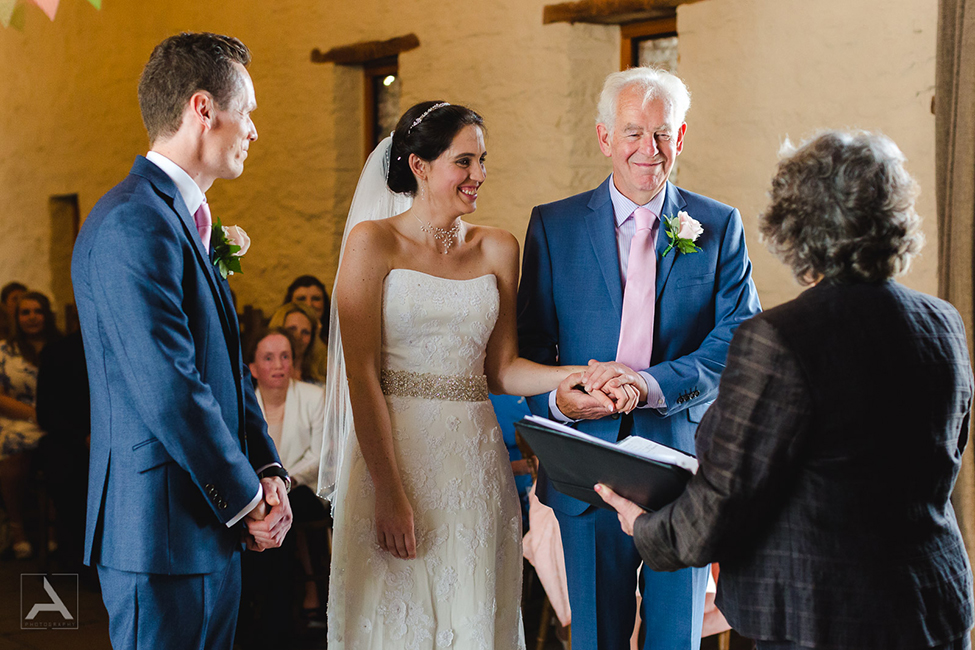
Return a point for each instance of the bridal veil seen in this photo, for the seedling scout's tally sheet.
(372, 201)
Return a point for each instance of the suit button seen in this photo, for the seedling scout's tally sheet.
(615, 416)
(210, 489)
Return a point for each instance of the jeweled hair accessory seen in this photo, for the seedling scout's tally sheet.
(425, 113)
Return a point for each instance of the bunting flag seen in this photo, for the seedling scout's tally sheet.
(19, 19)
(50, 7)
(13, 14)
(7, 11)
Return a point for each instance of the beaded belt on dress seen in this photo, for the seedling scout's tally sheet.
(455, 388)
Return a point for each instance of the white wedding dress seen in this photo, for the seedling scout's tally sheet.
(463, 590)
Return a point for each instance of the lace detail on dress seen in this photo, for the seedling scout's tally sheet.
(464, 588)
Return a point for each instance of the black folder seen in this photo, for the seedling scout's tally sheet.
(575, 465)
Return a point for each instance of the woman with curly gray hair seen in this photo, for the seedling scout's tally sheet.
(843, 210)
(827, 460)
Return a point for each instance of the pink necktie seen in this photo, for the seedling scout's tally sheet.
(636, 331)
(204, 224)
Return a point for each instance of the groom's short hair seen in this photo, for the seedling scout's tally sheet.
(655, 84)
(179, 67)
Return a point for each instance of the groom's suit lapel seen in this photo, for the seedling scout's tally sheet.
(166, 190)
(673, 203)
(601, 223)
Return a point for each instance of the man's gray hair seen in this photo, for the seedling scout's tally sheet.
(655, 84)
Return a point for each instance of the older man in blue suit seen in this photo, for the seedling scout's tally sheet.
(602, 280)
(182, 469)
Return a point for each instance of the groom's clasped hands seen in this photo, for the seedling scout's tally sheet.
(270, 520)
(605, 387)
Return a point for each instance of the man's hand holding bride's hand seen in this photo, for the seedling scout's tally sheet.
(394, 524)
(627, 387)
(614, 394)
(577, 404)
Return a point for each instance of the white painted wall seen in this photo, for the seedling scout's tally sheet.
(764, 70)
(758, 70)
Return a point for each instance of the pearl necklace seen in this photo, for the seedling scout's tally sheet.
(446, 236)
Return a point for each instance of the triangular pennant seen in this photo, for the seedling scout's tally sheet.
(19, 19)
(7, 11)
(97, 4)
(50, 7)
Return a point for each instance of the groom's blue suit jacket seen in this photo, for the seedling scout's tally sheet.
(570, 304)
(176, 432)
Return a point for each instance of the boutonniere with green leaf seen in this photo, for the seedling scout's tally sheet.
(683, 231)
(229, 244)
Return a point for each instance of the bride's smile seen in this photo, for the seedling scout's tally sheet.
(452, 181)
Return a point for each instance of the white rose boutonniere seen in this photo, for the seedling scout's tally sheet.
(228, 243)
(682, 230)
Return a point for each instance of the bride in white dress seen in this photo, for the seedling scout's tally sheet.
(427, 528)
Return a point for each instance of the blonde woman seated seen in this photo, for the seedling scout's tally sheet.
(310, 354)
(295, 415)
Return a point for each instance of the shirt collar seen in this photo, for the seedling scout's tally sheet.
(624, 207)
(192, 195)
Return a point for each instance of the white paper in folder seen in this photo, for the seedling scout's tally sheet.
(633, 444)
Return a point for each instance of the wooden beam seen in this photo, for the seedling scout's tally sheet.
(610, 12)
(366, 51)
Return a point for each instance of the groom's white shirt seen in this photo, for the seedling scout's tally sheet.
(623, 209)
(194, 197)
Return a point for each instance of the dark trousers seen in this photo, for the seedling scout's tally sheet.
(961, 643)
(65, 463)
(270, 579)
(151, 611)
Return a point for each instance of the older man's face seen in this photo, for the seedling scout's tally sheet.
(644, 145)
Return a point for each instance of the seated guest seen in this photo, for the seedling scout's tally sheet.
(310, 352)
(295, 415)
(9, 295)
(33, 328)
(309, 290)
(828, 459)
(64, 413)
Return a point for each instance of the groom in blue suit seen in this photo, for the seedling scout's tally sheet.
(182, 469)
(570, 310)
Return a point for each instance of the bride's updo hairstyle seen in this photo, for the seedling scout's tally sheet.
(425, 130)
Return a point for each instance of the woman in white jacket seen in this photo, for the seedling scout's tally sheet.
(295, 415)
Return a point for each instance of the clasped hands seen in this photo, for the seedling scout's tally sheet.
(605, 387)
(270, 520)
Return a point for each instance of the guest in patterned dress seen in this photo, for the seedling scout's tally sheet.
(33, 328)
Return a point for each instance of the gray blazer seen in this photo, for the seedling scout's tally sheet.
(826, 467)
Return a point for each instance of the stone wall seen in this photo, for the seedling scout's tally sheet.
(758, 70)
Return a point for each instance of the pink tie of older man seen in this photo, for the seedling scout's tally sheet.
(203, 224)
(636, 330)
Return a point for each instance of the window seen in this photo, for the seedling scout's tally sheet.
(653, 42)
(65, 221)
(382, 86)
